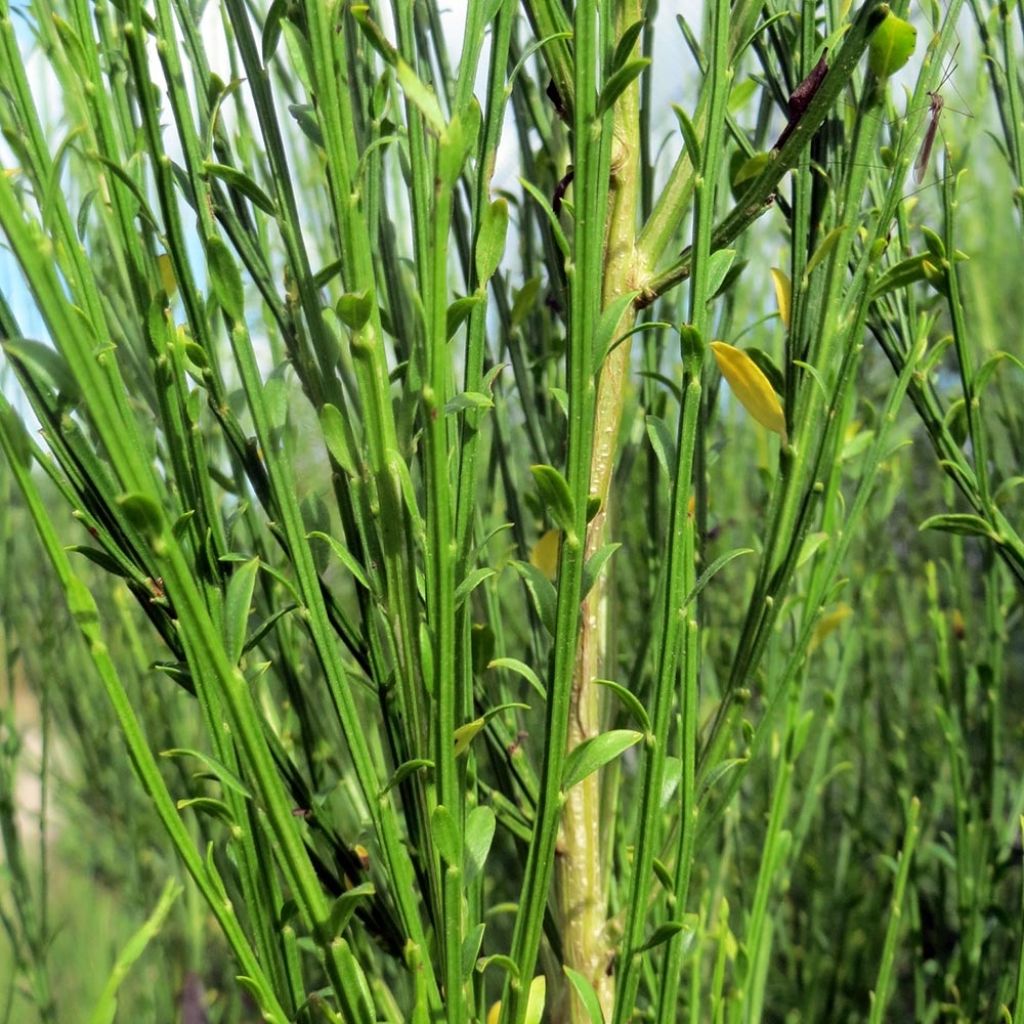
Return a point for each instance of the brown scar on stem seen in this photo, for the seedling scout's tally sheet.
(801, 98)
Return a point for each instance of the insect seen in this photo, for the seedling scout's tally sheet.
(935, 105)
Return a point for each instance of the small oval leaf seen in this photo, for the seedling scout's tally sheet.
(595, 753)
(750, 386)
(891, 45)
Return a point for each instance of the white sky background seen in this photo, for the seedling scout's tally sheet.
(674, 81)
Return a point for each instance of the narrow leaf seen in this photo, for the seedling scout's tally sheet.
(587, 995)
(535, 1000)
(343, 555)
(404, 770)
(221, 771)
(965, 524)
(596, 562)
(242, 183)
(237, 606)
(629, 701)
(554, 492)
(105, 1010)
(595, 753)
(783, 294)
(619, 82)
(542, 593)
(522, 669)
(225, 279)
(490, 242)
(750, 386)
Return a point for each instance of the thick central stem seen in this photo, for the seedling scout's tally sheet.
(582, 899)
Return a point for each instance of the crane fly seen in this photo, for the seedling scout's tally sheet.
(935, 105)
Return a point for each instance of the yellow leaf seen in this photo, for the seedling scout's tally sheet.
(494, 1013)
(783, 294)
(830, 623)
(750, 386)
(465, 735)
(167, 279)
(544, 555)
(535, 1000)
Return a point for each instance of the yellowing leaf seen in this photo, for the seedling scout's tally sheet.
(167, 279)
(783, 294)
(465, 734)
(830, 623)
(494, 1013)
(535, 1000)
(544, 555)
(750, 386)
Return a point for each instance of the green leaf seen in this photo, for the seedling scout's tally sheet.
(332, 424)
(344, 907)
(964, 524)
(509, 965)
(445, 833)
(522, 669)
(587, 995)
(689, 135)
(811, 543)
(524, 302)
(596, 562)
(467, 400)
(891, 45)
(18, 443)
(595, 753)
(719, 264)
(221, 771)
(712, 570)
(619, 82)
(465, 734)
(624, 47)
(471, 950)
(420, 95)
(662, 934)
(237, 606)
(490, 241)
(611, 316)
(827, 244)
(105, 1009)
(343, 555)
(480, 825)
(719, 772)
(143, 513)
(47, 361)
(208, 805)
(663, 443)
(404, 770)
(272, 30)
(100, 558)
(451, 153)
(557, 499)
(458, 312)
(242, 183)
(470, 583)
(556, 228)
(542, 592)
(225, 279)
(354, 309)
(629, 701)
